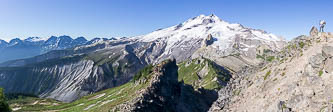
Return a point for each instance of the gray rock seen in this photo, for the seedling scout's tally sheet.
(313, 31)
(283, 108)
(327, 51)
(328, 67)
(207, 41)
(317, 61)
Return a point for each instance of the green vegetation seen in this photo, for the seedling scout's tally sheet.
(104, 100)
(100, 58)
(260, 57)
(291, 46)
(301, 44)
(4, 107)
(267, 51)
(13, 96)
(284, 73)
(108, 99)
(321, 73)
(190, 74)
(270, 58)
(28, 103)
(143, 73)
(284, 105)
(267, 58)
(236, 92)
(264, 68)
(275, 79)
(101, 101)
(267, 74)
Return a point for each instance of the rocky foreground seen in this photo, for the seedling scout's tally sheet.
(298, 80)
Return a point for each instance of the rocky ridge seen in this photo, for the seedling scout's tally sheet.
(154, 88)
(296, 80)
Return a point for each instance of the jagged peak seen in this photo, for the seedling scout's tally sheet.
(35, 39)
(201, 19)
(202, 16)
(3, 41)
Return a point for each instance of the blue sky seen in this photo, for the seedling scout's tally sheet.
(114, 18)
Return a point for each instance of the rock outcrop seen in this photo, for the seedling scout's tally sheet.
(313, 31)
(165, 93)
(207, 41)
(298, 80)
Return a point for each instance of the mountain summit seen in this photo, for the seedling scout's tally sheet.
(226, 38)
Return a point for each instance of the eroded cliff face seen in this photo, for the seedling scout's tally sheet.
(69, 78)
(58, 82)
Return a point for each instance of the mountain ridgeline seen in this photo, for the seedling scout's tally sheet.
(140, 73)
(33, 46)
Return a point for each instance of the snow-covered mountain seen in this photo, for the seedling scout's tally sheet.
(226, 38)
(33, 46)
(3, 44)
(97, 40)
(35, 39)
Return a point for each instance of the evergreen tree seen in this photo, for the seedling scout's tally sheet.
(4, 107)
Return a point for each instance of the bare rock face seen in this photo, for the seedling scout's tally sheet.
(207, 41)
(314, 32)
(69, 78)
(316, 61)
(328, 65)
(164, 93)
(327, 51)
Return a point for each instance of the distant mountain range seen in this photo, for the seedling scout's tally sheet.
(33, 46)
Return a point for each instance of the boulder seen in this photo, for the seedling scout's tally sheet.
(328, 67)
(316, 61)
(329, 34)
(313, 31)
(327, 51)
